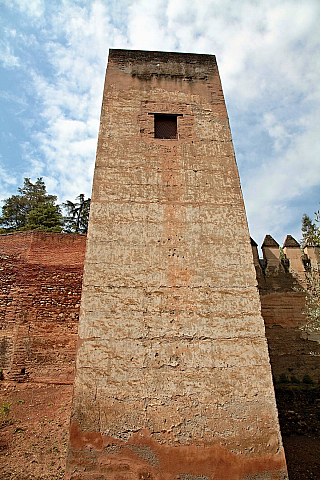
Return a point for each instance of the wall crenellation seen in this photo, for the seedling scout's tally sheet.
(281, 277)
(41, 275)
(291, 257)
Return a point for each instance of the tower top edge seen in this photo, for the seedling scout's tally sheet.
(149, 55)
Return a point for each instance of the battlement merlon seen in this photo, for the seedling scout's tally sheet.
(299, 259)
(270, 250)
(312, 252)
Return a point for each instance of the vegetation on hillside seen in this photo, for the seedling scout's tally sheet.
(34, 209)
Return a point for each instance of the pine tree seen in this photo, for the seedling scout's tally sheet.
(310, 231)
(77, 214)
(32, 209)
(46, 217)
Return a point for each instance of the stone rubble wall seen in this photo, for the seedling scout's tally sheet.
(40, 286)
(40, 278)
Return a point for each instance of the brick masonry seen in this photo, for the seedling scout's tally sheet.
(33, 268)
(40, 281)
(41, 276)
(173, 378)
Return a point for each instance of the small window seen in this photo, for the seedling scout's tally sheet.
(165, 126)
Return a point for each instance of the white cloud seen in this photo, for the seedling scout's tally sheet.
(268, 61)
(276, 130)
(284, 180)
(266, 53)
(33, 8)
(69, 102)
(7, 56)
(7, 181)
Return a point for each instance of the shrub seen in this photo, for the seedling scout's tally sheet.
(283, 378)
(5, 408)
(308, 380)
(294, 380)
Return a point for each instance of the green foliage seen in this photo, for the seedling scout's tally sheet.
(282, 254)
(32, 209)
(311, 229)
(14, 213)
(5, 408)
(283, 378)
(294, 380)
(312, 310)
(77, 217)
(45, 217)
(308, 380)
(311, 237)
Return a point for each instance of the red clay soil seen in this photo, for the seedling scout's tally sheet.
(34, 421)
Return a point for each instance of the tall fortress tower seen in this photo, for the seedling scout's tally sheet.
(173, 380)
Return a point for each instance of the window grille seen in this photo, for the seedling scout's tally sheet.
(165, 126)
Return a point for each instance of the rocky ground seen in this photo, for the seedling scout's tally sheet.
(34, 421)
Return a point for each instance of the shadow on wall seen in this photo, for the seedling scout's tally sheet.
(281, 277)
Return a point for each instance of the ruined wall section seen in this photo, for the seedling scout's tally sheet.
(40, 277)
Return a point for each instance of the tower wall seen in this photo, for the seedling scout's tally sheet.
(173, 377)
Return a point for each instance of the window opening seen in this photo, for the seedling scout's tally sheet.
(165, 126)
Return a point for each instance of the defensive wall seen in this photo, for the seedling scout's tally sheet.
(40, 288)
(281, 279)
(40, 277)
(40, 281)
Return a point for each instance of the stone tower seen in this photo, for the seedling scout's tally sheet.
(173, 378)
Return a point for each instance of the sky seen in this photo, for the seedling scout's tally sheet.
(53, 56)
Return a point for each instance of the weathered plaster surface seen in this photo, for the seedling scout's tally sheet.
(173, 377)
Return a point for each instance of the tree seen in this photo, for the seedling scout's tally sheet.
(45, 217)
(311, 236)
(32, 209)
(14, 213)
(311, 231)
(77, 215)
(312, 311)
